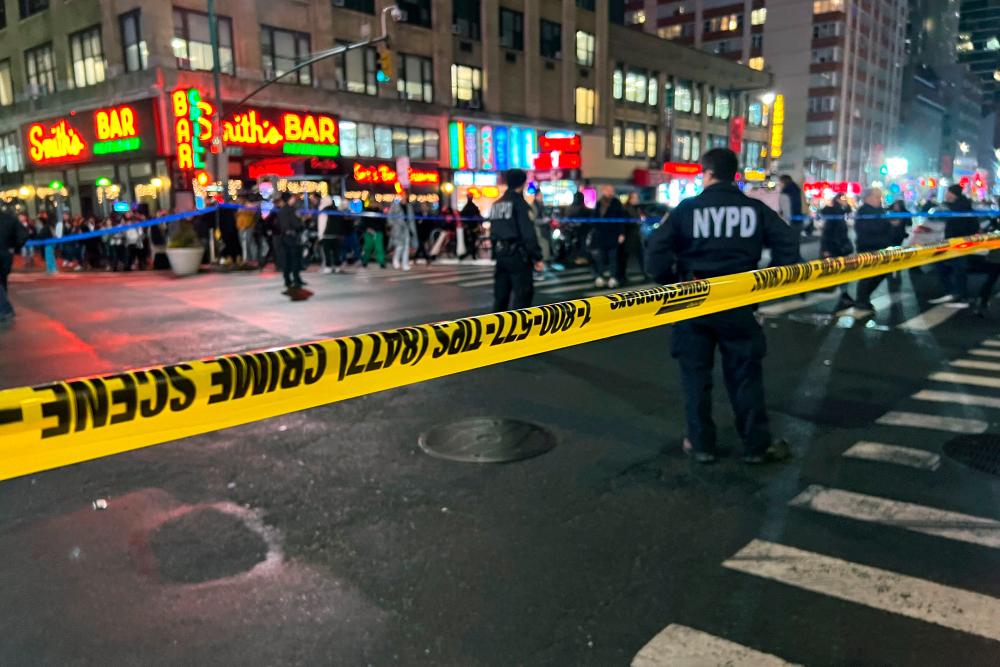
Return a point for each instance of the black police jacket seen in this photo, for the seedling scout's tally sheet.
(511, 225)
(12, 236)
(721, 231)
(873, 231)
(960, 225)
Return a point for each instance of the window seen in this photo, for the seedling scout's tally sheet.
(757, 63)
(756, 42)
(418, 12)
(821, 128)
(670, 31)
(635, 17)
(758, 16)
(133, 45)
(385, 142)
(585, 4)
(29, 7)
(585, 106)
(465, 18)
(415, 78)
(636, 86)
(722, 105)
(696, 99)
(652, 85)
(467, 87)
(650, 143)
(10, 153)
(86, 55)
(635, 140)
(828, 54)
(823, 6)
(682, 147)
(828, 29)
(682, 97)
(716, 141)
(617, 83)
(584, 48)
(824, 79)
(511, 29)
(616, 140)
(192, 43)
(551, 40)
(726, 23)
(752, 158)
(3, 15)
(755, 114)
(366, 6)
(40, 70)
(281, 50)
(6, 84)
(356, 71)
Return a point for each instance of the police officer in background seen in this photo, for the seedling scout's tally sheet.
(720, 232)
(515, 246)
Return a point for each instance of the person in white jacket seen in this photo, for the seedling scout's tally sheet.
(402, 231)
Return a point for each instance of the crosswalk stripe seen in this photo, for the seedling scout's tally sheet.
(976, 364)
(985, 353)
(956, 397)
(963, 378)
(795, 303)
(878, 303)
(560, 279)
(904, 456)
(917, 518)
(929, 319)
(895, 593)
(936, 422)
(991, 343)
(681, 646)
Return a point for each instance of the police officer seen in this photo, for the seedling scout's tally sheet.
(515, 246)
(290, 230)
(720, 232)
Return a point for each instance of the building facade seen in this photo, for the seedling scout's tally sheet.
(979, 42)
(114, 102)
(837, 63)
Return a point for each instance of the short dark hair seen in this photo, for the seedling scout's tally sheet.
(956, 190)
(722, 162)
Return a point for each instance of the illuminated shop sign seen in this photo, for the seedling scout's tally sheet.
(386, 174)
(491, 147)
(558, 150)
(80, 136)
(682, 168)
(778, 126)
(192, 127)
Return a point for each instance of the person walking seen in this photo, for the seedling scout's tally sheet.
(330, 241)
(874, 231)
(834, 240)
(514, 245)
(790, 203)
(374, 239)
(402, 231)
(27, 251)
(425, 226)
(245, 231)
(543, 230)
(633, 239)
(579, 221)
(13, 235)
(47, 233)
(290, 233)
(954, 273)
(471, 219)
(607, 236)
(689, 245)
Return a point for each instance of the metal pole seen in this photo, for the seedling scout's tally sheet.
(217, 148)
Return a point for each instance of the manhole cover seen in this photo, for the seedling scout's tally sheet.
(487, 440)
(981, 452)
(206, 544)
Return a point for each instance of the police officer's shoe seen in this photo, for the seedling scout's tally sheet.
(778, 451)
(695, 455)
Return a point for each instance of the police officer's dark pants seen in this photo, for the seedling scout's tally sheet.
(865, 288)
(512, 277)
(742, 345)
(292, 264)
(954, 275)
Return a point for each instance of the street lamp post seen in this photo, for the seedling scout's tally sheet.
(221, 167)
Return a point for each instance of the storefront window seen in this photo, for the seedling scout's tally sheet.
(366, 140)
(585, 48)
(585, 106)
(415, 78)
(467, 87)
(356, 71)
(755, 114)
(6, 84)
(192, 43)
(281, 50)
(133, 45)
(383, 142)
(416, 143)
(10, 153)
(40, 70)
(682, 96)
(348, 138)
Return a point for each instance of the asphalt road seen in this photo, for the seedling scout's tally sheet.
(327, 537)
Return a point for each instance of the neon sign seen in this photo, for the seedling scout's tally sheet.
(777, 126)
(558, 150)
(383, 174)
(290, 133)
(192, 127)
(491, 147)
(60, 142)
(682, 168)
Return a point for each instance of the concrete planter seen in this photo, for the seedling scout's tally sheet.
(185, 261)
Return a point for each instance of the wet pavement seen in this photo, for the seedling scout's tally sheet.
(328, 537)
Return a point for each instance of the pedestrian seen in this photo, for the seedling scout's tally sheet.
(834, 240)
(447, 231)
(606, 237)
(290, 230)
(353, 227)
(117, 250)
(954, 273)
(135, 244)
(425, 225)
(245, 229)
(13, 235)
(27, 251)
(874, 231)
(632, 244)
(402, 231)
(790, 203)
(373, 246)
(46, 232)
(579, 220)
(514, 245)
(471, 226)
(543, 227)
(693, 242)
(329, 241)
(232, 249)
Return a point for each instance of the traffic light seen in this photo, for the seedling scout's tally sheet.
(384, 71)
(884, 170)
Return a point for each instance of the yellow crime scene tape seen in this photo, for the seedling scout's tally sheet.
(67, 422)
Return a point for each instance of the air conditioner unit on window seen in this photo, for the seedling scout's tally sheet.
(339, 3)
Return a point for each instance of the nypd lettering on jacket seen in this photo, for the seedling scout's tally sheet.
(727, 222)
(502, 210)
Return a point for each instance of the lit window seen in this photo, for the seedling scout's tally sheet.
(11, 159)
(824, 6)
(636, 86)
(993, 44)
(415, 78)
(757, 63)
(635, 17)
(585, 106)
(584, 48)
(467, 86)
(40, 70)
(281, 50)
(758, 16)
(133, 45)
(617, 84)
(651, 88)
(670, 31)
(6, 84)
(192, 43)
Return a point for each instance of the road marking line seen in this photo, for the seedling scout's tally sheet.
(796, 303)
(681, 646)
(985, 353)
(550, 280)
(976, 364)
(956, 397)
(929, 319)
(962, 378)
(917, 518)
(895, 593)
(581, 283)
(904, 456)
(936, 422)
(991, 343)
